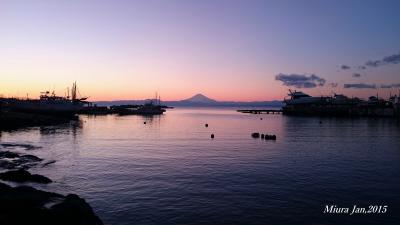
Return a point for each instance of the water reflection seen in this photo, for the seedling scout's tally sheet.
(170, 171)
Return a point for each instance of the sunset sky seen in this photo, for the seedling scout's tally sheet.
(228, 50)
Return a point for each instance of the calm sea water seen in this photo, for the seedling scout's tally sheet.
(169, 170)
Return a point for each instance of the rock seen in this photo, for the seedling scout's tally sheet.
(212, 136)
(48, 163)
(74, 210)
(30, 158)
(262, 136)
(255, 135)
(22, 175)
(206, 125)
(23, 146)
(11, 160)
(5, 164)
(26, 205)
(8, 154)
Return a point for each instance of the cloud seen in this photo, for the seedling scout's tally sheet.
(333, 84)
(392, 59)
(390, 85)
(356, 75)
(345, 67)
(301, 80)
(360, 86)
(375, 63)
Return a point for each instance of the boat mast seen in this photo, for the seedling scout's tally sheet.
(73, 91)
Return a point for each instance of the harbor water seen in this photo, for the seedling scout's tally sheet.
(167, 170)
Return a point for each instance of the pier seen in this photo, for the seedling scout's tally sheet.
(260, 111)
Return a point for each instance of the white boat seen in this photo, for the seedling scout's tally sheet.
(300, 98)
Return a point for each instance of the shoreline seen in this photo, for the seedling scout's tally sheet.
(22, 204)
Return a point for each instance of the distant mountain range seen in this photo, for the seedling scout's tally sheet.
(197, 100)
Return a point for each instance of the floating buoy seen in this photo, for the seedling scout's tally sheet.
(212, 136)
(255, 135)
(206, 125)
(144, 122)
(260, 118)
(270, 137)
(320, 122)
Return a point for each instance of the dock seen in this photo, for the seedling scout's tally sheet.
(260, 111)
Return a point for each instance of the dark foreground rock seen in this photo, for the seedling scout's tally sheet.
(29, 206)
(12, 160)
(22, 146)
(22, 175)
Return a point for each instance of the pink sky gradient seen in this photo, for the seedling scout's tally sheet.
(226, 50)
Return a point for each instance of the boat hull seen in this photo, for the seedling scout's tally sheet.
(64, 108)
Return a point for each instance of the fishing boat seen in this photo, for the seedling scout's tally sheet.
(147, 109)
(152, 107)
(49, 104)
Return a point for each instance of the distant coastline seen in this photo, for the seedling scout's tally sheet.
(197, 100)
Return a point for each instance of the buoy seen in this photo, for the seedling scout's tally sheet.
(206, 125)
(144, 122)
(262, 136)
(270, 137)
(255, 135)
(212, 136)
(260, 118)
(320, 122)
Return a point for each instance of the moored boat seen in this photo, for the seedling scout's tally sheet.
(48, 104)
(147, 109)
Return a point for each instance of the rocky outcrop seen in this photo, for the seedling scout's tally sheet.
(22, 175)
(29, 206)
(12, 160)
(22, 146)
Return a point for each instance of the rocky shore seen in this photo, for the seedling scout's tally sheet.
(24, 205)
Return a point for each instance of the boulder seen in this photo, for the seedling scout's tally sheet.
(22, 175)
(12, 160)
(26, 205)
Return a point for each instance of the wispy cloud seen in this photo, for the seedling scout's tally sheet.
(392, 59)
(345, 67)
(333, 84)
(360, 86)
(390, 85)
(301, 80)
(356, 75)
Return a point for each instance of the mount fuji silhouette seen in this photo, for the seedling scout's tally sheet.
(200, 98)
